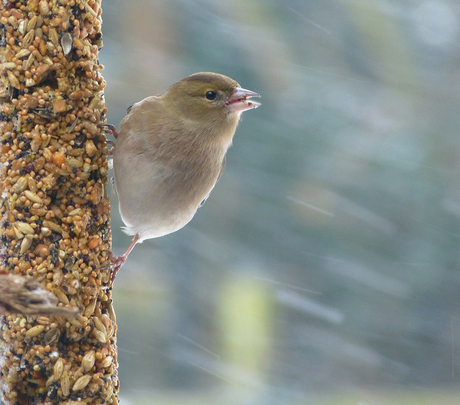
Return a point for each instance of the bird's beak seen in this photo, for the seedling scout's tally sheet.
(239, 102)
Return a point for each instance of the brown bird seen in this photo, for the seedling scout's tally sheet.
(170, 152)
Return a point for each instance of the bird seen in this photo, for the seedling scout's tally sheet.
(170, 152)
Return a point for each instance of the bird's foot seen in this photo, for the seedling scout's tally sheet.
(110, 129)
(117, 261)
(112, 144)
(115, 264)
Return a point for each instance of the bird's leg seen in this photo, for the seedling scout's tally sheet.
(117, 261)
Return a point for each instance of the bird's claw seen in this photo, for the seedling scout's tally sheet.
(112, 144)
(111, 129)
(115, 263)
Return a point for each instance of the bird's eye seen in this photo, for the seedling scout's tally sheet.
(211, 95)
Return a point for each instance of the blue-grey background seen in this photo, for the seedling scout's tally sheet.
(324, 268)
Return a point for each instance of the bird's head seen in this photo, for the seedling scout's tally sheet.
(209, 97)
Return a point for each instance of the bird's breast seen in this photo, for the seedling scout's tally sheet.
(159, 193)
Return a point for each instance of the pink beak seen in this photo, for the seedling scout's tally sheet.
(238, 101)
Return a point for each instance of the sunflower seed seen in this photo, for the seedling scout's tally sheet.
(66, 43)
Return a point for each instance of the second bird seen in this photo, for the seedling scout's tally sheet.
(170, 152)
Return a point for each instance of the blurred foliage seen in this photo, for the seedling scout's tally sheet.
(326, 259)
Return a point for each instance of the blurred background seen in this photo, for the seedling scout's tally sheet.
(324, 268)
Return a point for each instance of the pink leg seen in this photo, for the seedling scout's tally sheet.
(118, 261)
